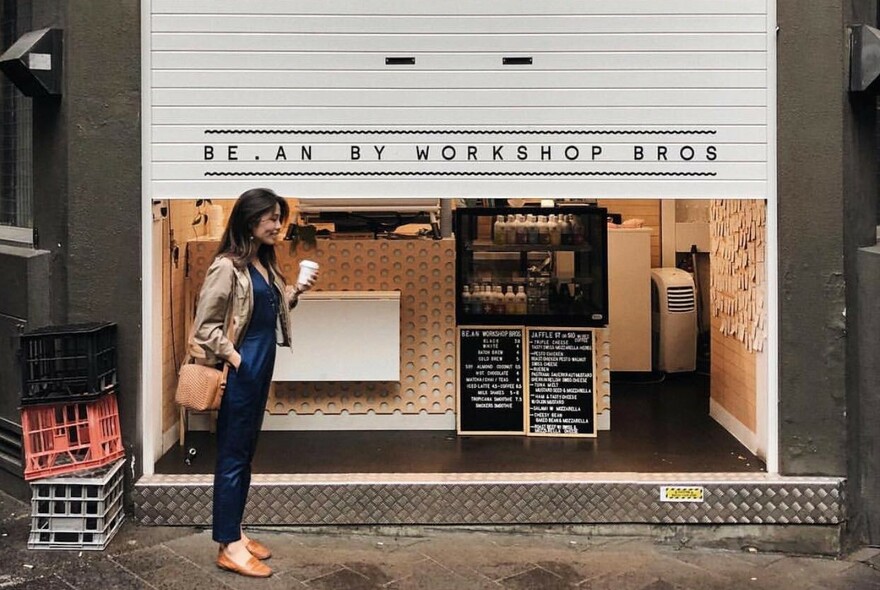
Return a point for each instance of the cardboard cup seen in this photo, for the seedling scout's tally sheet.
(307, 269)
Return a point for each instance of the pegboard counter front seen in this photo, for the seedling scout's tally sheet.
(423, 273)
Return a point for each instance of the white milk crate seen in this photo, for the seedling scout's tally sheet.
(77, 511)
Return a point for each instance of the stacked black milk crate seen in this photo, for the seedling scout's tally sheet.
(73, 453)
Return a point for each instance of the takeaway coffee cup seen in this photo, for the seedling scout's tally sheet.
(307, 269)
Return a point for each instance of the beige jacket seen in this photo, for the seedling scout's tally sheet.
(225, 286)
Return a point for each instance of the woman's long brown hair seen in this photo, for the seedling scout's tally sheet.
(237, 242)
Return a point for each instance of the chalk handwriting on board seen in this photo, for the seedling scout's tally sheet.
(491, 380)
(561, 393)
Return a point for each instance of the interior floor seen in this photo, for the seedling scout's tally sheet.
(659, 424)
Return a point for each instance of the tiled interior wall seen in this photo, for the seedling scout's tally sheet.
(647, 209)
(602, 346)
(423, 271)
(737, 232)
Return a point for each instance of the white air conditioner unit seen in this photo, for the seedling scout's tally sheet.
(673, 320)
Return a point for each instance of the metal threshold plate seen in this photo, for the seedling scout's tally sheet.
(502, 498)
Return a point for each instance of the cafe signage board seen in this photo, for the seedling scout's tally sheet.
(533, 381)
(490, 371)
(561, 393)
(646, 98)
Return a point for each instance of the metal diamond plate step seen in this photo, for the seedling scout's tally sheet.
(570, 498)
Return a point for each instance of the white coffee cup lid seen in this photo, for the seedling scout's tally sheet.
(309, 264)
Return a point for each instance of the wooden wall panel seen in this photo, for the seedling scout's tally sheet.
(737, 233)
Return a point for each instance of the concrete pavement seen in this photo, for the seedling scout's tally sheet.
(417, 558)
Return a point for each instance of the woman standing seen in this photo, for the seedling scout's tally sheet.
(243, 311)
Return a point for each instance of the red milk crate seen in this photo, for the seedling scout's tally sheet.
(62, 438)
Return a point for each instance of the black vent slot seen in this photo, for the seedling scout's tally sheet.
(680, 299)
(10, 447)
(400, 61)
(516, 61)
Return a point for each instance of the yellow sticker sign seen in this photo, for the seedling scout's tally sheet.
(682, 494)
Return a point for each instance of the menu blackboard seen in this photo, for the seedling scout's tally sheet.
(491, 380)
(561, 393)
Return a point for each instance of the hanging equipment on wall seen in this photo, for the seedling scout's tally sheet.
(33, 63)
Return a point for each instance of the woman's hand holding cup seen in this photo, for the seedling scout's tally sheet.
(308, 275)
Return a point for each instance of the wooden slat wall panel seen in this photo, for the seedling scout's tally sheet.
(174, 322)
(738, 274)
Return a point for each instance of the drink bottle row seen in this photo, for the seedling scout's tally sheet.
(492, 299)
(550, 230)
(537, 296)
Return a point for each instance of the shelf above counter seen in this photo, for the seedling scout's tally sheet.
(485, 246)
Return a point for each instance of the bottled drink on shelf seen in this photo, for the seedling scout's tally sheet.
(521, 306)
(555, 231)
(543, 230)
(510, 301)
(565, 230)
(577, 231)
(489, 300)
(476, 299)
(532, 295)
(486, 300)
(510, 230)
(522, 233)
(466, 299)
(532, 229)
(498, 299)
(498, 231)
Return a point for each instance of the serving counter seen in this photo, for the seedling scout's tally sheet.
(334, 388)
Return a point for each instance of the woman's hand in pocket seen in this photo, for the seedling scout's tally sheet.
(239, 365)
(242, 369)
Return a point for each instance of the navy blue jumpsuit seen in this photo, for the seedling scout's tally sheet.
(241, 411)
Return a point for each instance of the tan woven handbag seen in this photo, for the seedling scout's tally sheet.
(201, 387)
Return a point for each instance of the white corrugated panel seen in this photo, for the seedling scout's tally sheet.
(643, 98)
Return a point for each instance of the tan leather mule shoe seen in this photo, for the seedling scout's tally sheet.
(254, 568)
(258, 550)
